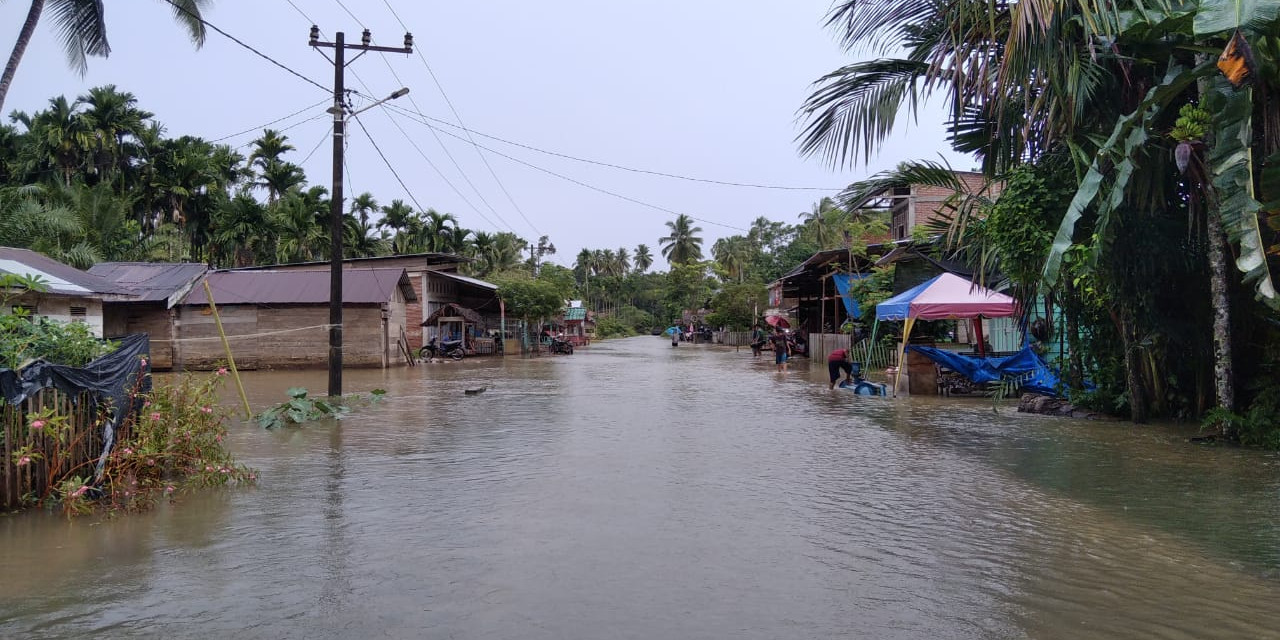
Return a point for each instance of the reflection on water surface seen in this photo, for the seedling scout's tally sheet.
(633, 490)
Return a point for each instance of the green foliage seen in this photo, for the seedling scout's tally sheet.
(529, 298)
(612, 327)
(300, 408)
(24, 338)
(735, 306)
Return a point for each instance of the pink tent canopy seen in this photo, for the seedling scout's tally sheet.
(946, 296)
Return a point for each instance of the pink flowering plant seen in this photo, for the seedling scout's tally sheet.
(177, 442)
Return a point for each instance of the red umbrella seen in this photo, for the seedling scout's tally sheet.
(777, 321)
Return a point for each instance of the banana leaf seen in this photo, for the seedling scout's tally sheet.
(1231, 164)
(1127, 138)
(1216, 16)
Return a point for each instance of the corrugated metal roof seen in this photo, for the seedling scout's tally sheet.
(359, 286)
(60, 278)
(152, 281)
(471, 281)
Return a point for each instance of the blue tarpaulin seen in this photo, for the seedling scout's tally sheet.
(842, 281)
(1026, 366)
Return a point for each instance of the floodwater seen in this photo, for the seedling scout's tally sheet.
(633, 490)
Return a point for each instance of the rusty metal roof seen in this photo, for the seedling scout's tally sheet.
(153, 281)
(58, 277)
(359, 286)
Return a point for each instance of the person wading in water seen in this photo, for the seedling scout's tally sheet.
(781, 348)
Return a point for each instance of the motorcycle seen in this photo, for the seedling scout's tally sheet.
(561, 346)
(444, 349)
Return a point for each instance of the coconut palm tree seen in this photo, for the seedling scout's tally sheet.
(82, 26)
(642, 258)
(683, 245)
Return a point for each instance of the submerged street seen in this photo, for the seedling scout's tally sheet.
(633, 490)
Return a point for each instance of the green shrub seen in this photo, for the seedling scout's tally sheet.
(24, 338)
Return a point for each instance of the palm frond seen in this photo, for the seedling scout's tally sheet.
(856, 107)
(82, 28)
(189, 14)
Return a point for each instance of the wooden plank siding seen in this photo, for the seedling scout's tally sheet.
(287, 343)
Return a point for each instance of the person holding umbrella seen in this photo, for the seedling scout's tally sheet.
(781, 348)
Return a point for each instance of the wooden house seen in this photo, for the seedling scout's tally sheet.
(279, 319)
(159, 288)
(435, 281)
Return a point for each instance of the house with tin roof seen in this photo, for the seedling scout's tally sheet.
(158, 287)
(65, 294)
(280, 319)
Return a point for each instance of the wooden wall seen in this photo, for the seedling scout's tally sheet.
(151, 318)
(288, 345)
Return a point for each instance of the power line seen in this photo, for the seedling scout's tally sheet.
(263, 126)
(246, 46)
(458, 116)
(448, 154)
(353, 16)
(618, 166)
(388, 163)
(317, 147)
(431, 164)
(576, 181)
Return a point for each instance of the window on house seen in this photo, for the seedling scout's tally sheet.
(28, 310)
(902, 232)
(79, 314)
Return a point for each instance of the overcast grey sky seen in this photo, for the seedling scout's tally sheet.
(705, 88)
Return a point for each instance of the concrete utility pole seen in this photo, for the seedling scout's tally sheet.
(339, 111)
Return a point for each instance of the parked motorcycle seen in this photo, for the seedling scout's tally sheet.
(561, 346)
(444, 349)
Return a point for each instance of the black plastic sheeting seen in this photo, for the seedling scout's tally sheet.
(111, 378)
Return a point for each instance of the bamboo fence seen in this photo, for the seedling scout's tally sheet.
(58, 460)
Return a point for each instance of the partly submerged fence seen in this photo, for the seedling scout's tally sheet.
(39, 456)
(878, 356)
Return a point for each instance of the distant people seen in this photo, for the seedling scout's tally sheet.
(675, 336)
(837, 361)
(758, 339)
(781, 348)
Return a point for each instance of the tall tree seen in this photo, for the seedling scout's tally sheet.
(642, 258)
(683, 245)
(82, 26)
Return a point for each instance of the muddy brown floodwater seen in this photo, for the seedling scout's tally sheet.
(633, 490)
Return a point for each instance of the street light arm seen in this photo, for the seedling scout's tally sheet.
(399, 93)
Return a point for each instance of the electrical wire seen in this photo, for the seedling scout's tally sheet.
(326, 136)
(448, 154)
(611, 165)
(578, 182)
(388, 163)
(353, 16)
(458, 116)
(246, 46)
(263, 126)
(417, 148)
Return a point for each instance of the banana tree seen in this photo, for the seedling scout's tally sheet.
(1227, 90)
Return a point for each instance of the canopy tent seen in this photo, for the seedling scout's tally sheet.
(944, 297)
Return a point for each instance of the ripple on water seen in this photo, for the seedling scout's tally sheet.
(637, 491)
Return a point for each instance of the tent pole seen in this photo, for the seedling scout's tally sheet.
(977, 332)
(902, 353)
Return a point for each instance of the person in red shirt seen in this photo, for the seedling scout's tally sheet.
(840, 360)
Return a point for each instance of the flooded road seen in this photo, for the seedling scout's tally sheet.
(637, 491)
